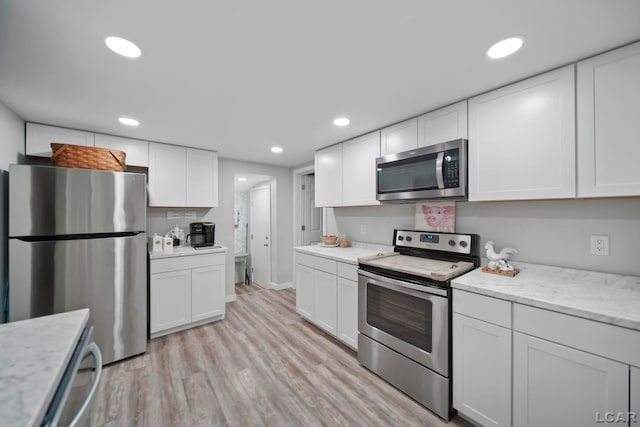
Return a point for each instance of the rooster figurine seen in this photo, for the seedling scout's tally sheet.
(499, 261)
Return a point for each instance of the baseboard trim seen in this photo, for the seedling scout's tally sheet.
(230, 298)
(279, 287)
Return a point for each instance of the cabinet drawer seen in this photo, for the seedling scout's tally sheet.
(319, 263)
(481, 307)
(612, 342)
(185, 262)
(348, 271)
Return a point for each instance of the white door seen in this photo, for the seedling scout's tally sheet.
(348, 312)
(482, 371)
(311, 216)
(207, 292)
(554, 385)
(260, 226)
(305, 291)
(359, 170)
(326, 306)
(170, 299)
(400, 137)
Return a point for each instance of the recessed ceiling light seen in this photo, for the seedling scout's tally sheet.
(123, 47)
(128, 121)
(505, 47)
(241, 179)
(341, 121)
(276, 149)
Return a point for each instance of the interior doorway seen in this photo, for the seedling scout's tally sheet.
(245, 254)
(304, 205)
(311, 216)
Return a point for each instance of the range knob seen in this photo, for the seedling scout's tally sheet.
(463, 244)
(452, 242)
(409, 238)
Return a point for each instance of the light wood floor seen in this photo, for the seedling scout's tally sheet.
(260, 366)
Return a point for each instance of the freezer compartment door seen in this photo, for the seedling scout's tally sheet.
(108, 276)
(54, 201)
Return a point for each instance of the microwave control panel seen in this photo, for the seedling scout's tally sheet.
(451, 168)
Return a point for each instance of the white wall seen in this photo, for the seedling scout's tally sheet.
(223, 216)
(11, 149)
(544, 232)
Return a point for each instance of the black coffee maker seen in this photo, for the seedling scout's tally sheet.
(202, 234)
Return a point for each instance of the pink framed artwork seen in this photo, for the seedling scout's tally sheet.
(436, 216)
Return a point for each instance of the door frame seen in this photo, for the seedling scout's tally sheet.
(297, 203)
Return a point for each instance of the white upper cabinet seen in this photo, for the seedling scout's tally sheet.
(180, 176)
(167, 175)
(400, 137)
(202, 178)
(445, 124)
(328, 172)
(39, 138)
(522, 140)
(609, 124)
(137, 151)
(359, 170)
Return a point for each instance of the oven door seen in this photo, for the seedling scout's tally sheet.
(410, 319)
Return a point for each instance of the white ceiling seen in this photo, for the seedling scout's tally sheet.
(241, 76)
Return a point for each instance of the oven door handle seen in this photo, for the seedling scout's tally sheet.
(382, 280)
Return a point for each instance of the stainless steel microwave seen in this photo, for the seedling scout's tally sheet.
(435, 172)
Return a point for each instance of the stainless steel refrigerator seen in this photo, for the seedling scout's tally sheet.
(77, 240)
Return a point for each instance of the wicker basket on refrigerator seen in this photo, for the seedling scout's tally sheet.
(80, 156)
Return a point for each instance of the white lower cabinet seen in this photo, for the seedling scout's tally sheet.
(482, 358)
(186, 291)
(482, 371)
(556, 385)
(634, 395)
(170, 300)
(326, 285)
(327, 296)
(518, 365)
(305, 291)
(348, 312)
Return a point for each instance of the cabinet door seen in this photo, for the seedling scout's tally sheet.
(170, 299)
(207, 292)
(167, 175)
(445, 124)
(305, 291)
(482, 371)
(608, 125)
(202, 178)
(634, 395)
(522, 140)
(348, 312)
(39, 138)
(554, 385)
(326, 316)
(137, 151)
(359, 170)
(328, 174)
(400, 137)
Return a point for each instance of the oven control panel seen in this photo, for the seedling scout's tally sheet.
(446, 242)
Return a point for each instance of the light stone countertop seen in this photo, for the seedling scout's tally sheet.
(604, 297)
(188, 251)
(348, 255)
(34, 354)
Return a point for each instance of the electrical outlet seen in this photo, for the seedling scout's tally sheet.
(172, 215)
(600, 245)
(190, 215)
(363, 229)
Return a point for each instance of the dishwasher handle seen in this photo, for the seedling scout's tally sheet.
(91, 349)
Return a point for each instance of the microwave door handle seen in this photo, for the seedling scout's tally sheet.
(439, 170)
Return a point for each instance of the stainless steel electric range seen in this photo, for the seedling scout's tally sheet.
(404, 312)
